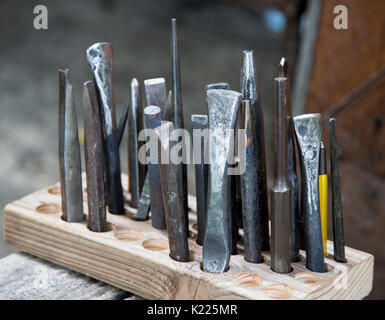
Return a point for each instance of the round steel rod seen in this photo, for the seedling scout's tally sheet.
(93, 152)
(292, 171)
(280, 192)
(338, 227)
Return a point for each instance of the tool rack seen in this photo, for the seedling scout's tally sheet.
(133, 256)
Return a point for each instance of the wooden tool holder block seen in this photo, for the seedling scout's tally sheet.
(133, 256)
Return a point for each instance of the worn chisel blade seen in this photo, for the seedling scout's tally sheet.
(93, 152)
(168, 110)
(250, 91)
(171, 179)
(308, 133)
(223, 108)
(99, 56)
(338, 227)
(218, 85)
(69, 153)
(252, 227)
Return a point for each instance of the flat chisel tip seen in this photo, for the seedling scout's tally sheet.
(218, 85)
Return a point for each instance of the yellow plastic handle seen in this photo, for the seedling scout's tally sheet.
(323, 200)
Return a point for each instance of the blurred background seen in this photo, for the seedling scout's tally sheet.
(338, 73)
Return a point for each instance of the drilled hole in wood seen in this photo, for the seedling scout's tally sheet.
(307, 277)
(155, 244)
(126, 234)
(48, 208)
(54, 190)
(85, 217)
(247, 279)
(278, 291)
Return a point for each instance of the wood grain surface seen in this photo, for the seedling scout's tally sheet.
(135, 257)
(24, 277)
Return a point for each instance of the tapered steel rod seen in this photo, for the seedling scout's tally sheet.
(152, 119)
(156, 93)
(168, 110)
(144, 201)
(199, 124)
(250, 91)
(308, 132)
(252, 228)
(177, 103)
(280, 192)
(93, 152)
(69, 153)
(171, 178)
(338, 227)
(135, 124)
(223, 108)
(292, 172)
(99, 57)
(122, 123)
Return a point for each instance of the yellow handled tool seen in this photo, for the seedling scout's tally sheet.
(323, 195)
